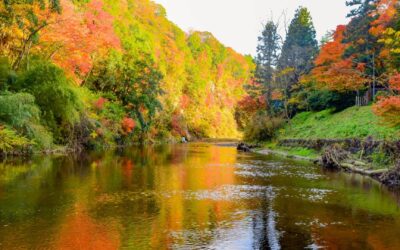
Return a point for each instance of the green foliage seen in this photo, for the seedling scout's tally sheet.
(135, 82)
(356, 122)
(319, 100)
(55, 95)
(7, 76)
(20, 112)
(11, 142)
(263, 127)
(300, 46)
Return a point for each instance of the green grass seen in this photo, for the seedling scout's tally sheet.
(355, 122)
(295, 151)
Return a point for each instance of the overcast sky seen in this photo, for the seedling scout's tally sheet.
(237, 23)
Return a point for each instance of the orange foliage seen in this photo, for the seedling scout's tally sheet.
(389, 109)
(99, 104)
(394, 82)
(185, 101)
(386, 10)
(277, 95)
(332, 71)
(73, 38)
(128, 124)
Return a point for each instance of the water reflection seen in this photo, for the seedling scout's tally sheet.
(197, 196)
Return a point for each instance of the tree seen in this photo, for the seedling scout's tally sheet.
(75, 38)
(300, 46)
(267, 58)
(297, 56)
(20, 25)
(133, 81)
(332, 71)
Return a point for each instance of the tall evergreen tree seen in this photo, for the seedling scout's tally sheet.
(300, 46)
(269, 44)
(364, 48)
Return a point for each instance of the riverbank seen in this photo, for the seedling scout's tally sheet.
(351, 163)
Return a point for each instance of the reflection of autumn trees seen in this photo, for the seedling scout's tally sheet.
(80, 231)
(159, 180)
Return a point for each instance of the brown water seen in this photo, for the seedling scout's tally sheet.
(197, 196)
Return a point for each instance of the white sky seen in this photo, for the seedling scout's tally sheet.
(237, 23)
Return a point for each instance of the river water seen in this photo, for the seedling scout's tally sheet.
(195, 196)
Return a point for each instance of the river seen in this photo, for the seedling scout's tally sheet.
(194, 196)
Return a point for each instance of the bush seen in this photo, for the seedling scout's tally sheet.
(56, 96)
(20, 112)
(320, 100)
(10, 142)
(7, 76)
(263, 127)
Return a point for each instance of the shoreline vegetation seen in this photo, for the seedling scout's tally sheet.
(85, 75)
(352, 140)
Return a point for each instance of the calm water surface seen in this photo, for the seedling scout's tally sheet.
(197, 196)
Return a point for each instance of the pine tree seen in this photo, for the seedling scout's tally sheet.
(300, 46)
(267, 58)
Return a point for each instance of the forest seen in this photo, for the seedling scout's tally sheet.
(101, 73)
(121, 130)
(84, 74)
(356, 65)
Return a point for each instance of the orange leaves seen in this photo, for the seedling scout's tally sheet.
(389, 109)
(99, 104)
(185, 101)
(74, 37)
(332, 51)
(277, 95)
(128, 124)
(394, 82)
(386, 11)
(332, 71)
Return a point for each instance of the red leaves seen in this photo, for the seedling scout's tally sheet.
(128, 124)
(251, 105)
(99, 104)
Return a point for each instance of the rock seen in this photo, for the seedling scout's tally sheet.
(243, 147)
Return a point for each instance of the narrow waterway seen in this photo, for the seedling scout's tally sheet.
(195, 196)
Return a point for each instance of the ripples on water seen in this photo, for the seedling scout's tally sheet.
(196, 196)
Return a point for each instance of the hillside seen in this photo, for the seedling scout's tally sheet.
(198, 70)
(104, 72)
(355, 122)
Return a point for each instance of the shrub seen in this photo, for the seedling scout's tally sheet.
(7, 76)
(56, 96)
(263, 127)
(320, 100)
(11, 142)
(20, 112)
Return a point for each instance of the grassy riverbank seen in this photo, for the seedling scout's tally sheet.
(310, 134)
(355, 122)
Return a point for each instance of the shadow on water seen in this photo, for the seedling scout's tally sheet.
(194, 196)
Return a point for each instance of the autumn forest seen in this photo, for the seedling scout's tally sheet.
(120, 129)
(88, 74)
